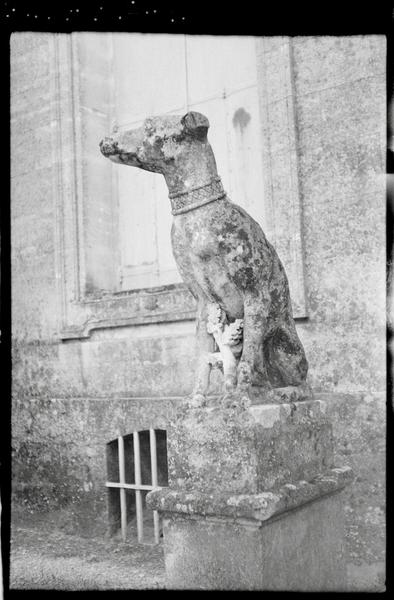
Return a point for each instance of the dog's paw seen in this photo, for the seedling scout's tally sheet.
(229, 399)
(244, 375)
(197, 400)
(235, 400)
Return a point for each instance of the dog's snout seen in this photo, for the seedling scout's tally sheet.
(108, 146)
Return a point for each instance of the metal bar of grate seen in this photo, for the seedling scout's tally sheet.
(137, 479)
(122, 491)
(153, 462)
(137, 486)
(128, 486)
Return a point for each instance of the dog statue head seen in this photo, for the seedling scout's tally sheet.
(161, 143)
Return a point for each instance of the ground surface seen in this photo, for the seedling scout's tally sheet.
(57, 561)
(45, 558)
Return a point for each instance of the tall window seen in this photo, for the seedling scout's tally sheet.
(173, 74)
(113, 222)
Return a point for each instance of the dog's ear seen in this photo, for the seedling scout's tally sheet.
(195, 124)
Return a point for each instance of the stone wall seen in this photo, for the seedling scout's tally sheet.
(340, 91)
(73, 397)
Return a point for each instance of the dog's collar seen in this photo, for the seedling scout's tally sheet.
(183, 202)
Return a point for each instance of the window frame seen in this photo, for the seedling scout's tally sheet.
(86, 307)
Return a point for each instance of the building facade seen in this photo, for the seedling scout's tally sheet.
(102, 326)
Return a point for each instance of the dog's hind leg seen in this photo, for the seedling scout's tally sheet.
(251, 366)
(285, 357)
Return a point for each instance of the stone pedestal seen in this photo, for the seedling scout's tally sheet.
(253, 500)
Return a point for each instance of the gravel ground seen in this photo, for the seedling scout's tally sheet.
(57, 561)
(50, 559)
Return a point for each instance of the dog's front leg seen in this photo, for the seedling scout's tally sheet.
(205, 347)
(251, 363)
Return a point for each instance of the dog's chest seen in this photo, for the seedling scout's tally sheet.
(197, 243)
(203, 245)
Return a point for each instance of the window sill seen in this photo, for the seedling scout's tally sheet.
(128, 308)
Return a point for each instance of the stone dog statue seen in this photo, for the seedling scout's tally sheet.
(223, 256)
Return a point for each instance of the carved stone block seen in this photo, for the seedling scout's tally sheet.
(253, 500)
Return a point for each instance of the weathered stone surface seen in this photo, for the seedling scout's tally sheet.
(43, 431)
(237, 478)
(325, 62)
(144, 355)
(340, 104)
(60, 455)
(302, 551)
(359, 430)
(222, 254)
(259, 507)
(248, 451)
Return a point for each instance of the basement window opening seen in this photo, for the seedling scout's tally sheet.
(136, 464)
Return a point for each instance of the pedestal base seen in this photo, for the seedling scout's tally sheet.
(253, 501)
(299, 551)
(288, 540)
